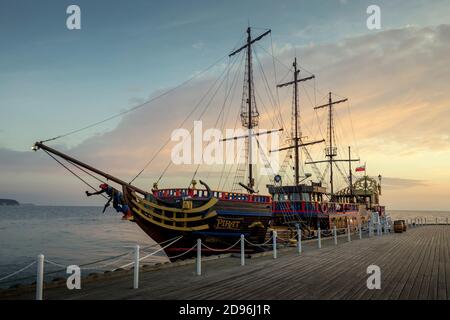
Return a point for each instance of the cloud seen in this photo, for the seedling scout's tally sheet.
(401, 183)
(198, 45)
(177, 23)
(397, 82)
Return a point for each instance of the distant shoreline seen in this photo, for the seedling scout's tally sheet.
(9, 202)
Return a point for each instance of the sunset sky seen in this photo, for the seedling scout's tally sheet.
(55, 80)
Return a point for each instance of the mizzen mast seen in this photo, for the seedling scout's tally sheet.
(331, 150)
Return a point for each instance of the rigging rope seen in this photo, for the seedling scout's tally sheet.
(181, 125)
(76, 175)
(138, 106)
(224, 105)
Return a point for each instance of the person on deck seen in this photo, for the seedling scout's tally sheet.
(116, 197)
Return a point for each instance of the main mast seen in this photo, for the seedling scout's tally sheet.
(251, 181)
(296, 137)
(296, 131)
(249, 112)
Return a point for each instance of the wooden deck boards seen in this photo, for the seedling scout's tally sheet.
(414, 265)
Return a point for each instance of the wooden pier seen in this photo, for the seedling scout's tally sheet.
(414, 265)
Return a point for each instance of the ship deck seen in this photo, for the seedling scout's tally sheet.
(414, 265)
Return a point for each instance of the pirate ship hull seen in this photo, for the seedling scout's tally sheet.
(218, 219)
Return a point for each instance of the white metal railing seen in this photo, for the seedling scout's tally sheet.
(369, 228)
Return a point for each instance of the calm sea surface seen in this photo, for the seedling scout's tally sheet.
(79, 235)
(66, 235)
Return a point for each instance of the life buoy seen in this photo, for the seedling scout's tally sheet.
(324, 207)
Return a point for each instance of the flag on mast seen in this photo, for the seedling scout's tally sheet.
(361, 168)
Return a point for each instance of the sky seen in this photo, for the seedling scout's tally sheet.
(56, 80)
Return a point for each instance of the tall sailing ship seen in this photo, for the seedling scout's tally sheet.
(220, 217)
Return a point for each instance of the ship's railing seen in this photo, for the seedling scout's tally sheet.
(275, 241)
(313, 206)
(203, 193)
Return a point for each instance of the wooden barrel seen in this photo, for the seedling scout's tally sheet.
(398, 226)
(404, 225)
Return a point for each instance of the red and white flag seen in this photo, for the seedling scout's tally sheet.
(361, 168)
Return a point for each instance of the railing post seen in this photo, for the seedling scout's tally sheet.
(360, 231)
(425, 221)
(299, 240)
(335, 235)
(274, 244)
(349, 236)
(447, 220)
(436, 220)
(136, 267)
(40, 277)
(319, 238)
(199, 257)
(369, 225)
(242, 250)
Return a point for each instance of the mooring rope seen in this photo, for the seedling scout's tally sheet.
(151, 254)
(162, 248)
(107, 264)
